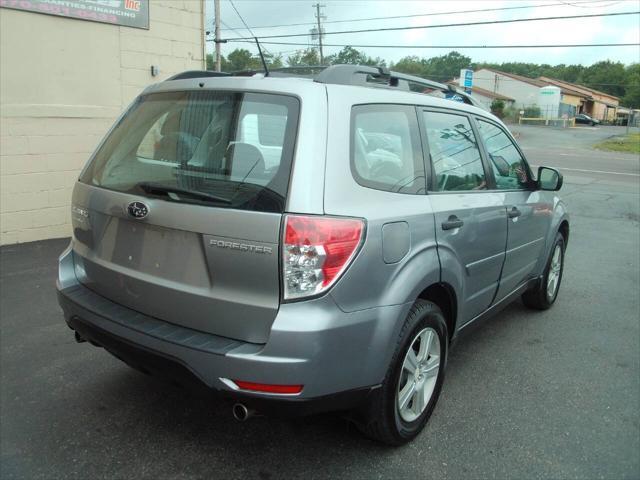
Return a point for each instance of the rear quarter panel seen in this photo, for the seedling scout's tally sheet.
(560, 214)
(383, 273)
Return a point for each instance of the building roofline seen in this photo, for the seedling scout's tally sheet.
(483, 91)
(538, 82)
(591, 90)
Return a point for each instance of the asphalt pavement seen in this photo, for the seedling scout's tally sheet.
(552, 394)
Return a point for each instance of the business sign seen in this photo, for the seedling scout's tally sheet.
(129, 13)
(466, 79)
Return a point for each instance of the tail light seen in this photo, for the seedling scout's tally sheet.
(316, 251)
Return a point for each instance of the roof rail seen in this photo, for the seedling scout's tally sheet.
(300, 71)
(197, 74)
(364, 75)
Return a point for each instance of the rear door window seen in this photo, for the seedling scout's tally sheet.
(455, 157)
(226, 149)
(385, 148)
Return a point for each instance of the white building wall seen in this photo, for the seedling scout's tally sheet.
(63, 82)
(523, 93)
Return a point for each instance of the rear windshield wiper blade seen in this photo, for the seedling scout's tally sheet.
(158, 188)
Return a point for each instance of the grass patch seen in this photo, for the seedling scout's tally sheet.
(627, 143)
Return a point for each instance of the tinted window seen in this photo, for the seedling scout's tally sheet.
(227, 149)
(508, 166)
(385, 148)
(454, 153)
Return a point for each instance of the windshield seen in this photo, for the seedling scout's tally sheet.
(225, 149)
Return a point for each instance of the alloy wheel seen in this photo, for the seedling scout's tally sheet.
(555, 269)
(419, 375)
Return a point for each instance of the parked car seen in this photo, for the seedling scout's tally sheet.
(307, 245)
(586, 120)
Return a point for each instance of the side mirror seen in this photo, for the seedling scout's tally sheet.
(549, 179)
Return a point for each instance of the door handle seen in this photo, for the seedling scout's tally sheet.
(514, 213)
(452, 222)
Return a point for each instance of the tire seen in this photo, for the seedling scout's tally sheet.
(384, 421)
(540, 298)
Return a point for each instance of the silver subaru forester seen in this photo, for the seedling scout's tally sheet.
(303, 243)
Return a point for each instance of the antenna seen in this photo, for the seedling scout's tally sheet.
(264, 63)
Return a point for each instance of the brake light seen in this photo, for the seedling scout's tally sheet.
(316, 251)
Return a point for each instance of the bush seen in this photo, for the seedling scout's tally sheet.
(497, 108)
(532, 111)
(511, 114)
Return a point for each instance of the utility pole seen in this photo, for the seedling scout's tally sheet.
(216, 4)
(319, 16)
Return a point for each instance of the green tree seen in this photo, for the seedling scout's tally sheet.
(607, 76)
(352, 56)
(411, 65)
(445, 67)
(274, 61)
(241, 59)
(303, 58)
(441, 69)
(631, 97)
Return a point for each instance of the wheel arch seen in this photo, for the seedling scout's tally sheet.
(564, 231)
(443, 295)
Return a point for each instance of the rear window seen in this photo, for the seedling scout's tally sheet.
(225, 149)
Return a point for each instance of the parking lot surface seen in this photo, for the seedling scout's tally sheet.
(552, 394)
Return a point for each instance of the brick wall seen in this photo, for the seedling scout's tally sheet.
(63, 82)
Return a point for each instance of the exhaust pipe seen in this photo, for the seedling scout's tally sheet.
(241, 413)
(79, 339)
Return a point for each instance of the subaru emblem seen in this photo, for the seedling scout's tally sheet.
(137, 210)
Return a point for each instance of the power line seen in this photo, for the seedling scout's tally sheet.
(433, 14)
(229, 28)
(246, 26)
(241, 19)
(574, 4)
(467, 24)
(569, 45)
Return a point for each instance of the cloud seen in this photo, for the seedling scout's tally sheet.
(620, 29)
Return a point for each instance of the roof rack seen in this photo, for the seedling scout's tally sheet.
(362, 75)
(382, 77)
(300, 71)
(197, 74)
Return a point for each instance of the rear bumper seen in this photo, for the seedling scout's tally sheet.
(157, 364)
(339, 357)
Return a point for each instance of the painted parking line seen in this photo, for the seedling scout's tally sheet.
(595, 171)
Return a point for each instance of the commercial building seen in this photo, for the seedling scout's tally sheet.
(487, 97)
(594, 103)
(524, 90)
(68, 68)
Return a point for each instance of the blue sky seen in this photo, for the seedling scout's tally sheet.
(621, 29)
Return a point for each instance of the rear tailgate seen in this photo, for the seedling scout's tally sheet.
(178, 216)
(210, 269)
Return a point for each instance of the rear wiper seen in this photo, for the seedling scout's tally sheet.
(158, 188)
